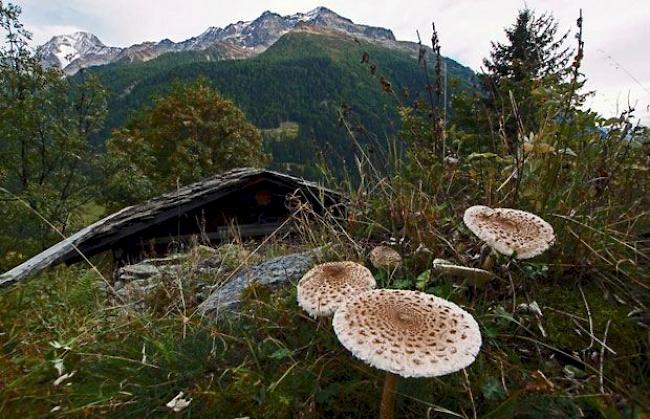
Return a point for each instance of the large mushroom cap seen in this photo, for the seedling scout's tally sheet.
(326, 286)
(409, 333)
(385, 257)
(510, 231)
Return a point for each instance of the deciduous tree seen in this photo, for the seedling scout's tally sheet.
(46, 122)
(188, 134)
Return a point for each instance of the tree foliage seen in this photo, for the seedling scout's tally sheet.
(187, 135)
(533, 50)
(531, 68)
(304, 77)
(45, 125)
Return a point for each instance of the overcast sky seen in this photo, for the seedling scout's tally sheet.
(616, 33)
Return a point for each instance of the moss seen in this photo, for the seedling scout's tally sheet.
(561, 327)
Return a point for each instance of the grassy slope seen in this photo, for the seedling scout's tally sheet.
(277, 362)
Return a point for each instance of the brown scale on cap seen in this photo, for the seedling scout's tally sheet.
(385, 257)
(326, 286)
(510, 231)
(409, 333)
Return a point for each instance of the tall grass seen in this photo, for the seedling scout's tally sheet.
(587, 176)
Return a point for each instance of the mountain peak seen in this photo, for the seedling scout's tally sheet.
(238, 40)
(320, 10)
(268, 13)
(76, 38)
(317, 13)
(62, 50)
(327, 18)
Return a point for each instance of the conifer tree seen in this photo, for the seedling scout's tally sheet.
(533, 51)
(524, 72)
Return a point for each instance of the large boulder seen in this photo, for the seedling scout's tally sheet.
(135, 285)
(271, 274)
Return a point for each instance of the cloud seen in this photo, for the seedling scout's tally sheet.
(43, 33)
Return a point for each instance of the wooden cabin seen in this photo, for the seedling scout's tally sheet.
(245, 202)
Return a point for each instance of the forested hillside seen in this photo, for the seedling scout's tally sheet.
(305, 77)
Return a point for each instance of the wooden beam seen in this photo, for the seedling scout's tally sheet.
(54, 254)
(223, 233)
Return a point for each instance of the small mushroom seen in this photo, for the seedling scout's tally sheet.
(326, 286)
(384, 257)
(408, 334)
(510, 231)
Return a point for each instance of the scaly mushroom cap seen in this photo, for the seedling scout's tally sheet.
(409, 333)
(510, 231)
(385, 257)
(326, 286)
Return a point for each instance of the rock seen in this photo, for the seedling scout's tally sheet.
(134, 283)
(272, 273)
(139, 271)
(172, 270)
(213, 263)
(135, 292)
(174, 259)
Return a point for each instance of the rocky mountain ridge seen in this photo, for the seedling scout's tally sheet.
(238, 40)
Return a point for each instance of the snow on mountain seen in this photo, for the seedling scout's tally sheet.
(324, 17)
(237, 40)
(66, 53)
(81, 47)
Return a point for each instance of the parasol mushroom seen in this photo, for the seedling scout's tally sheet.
(509, 231)
(384, 257)
(325, 287)
(408, 334)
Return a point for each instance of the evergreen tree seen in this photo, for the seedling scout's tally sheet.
(533, 51)
(525, 72)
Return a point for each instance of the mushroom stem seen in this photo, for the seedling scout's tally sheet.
(387, 407)
(488, 263)
(391, 274)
